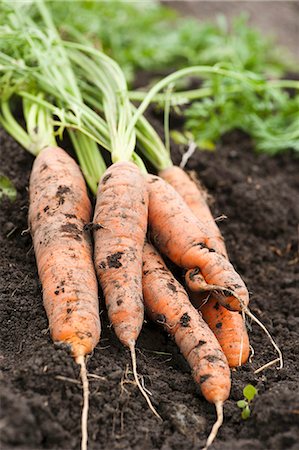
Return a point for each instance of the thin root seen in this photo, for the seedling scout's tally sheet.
(255, 319)
(96, 377)
(134, 365)
(85, 385)
(247, 311)
(143, 385)
(251, 354)
(216, 426)
(69, 380)
(191, 149)
(265, 366)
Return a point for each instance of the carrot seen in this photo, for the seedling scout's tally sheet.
(182, 238)
(228, 327)
(232, 294)
(167, 302)
(195, 197)
(120, 224)
(59, 208)
(230, 331)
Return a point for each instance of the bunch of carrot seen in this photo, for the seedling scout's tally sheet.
(137, 218)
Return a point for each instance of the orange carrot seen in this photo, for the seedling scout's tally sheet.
(167, 303)
(195, 197)
(182, 238)
(228, 327)
(59, 208)
(120, 224)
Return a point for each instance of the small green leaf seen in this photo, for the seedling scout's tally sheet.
(245, 413)
(7, 188)
(249, 392)
(241, 403)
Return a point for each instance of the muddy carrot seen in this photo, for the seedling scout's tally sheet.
(181, 237)
(120, 224)
(167, 303)
(58, 210)
(195, 197)
(228, 327)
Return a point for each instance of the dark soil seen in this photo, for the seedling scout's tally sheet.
(40, 394)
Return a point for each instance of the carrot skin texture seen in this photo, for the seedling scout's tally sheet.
(167, 302)
(120, 224)
(195, 197)
(229, 329)
(228, 326)
(58, 210)
(181, 237)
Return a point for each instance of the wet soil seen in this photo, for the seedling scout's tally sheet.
(40, 393)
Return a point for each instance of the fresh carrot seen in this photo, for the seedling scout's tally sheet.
(195, 197)
(167, 303)
(58, 210)
(181, 237)
(120, 224)
(208, 276)
(228, 327)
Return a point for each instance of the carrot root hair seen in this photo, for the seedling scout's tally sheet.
(265, 366)
(280, 357)
(247, 311)
(142, 390)
(85, 385)
(216, 426)
(251, 354)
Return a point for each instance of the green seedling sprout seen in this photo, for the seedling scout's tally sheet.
(249, 393)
